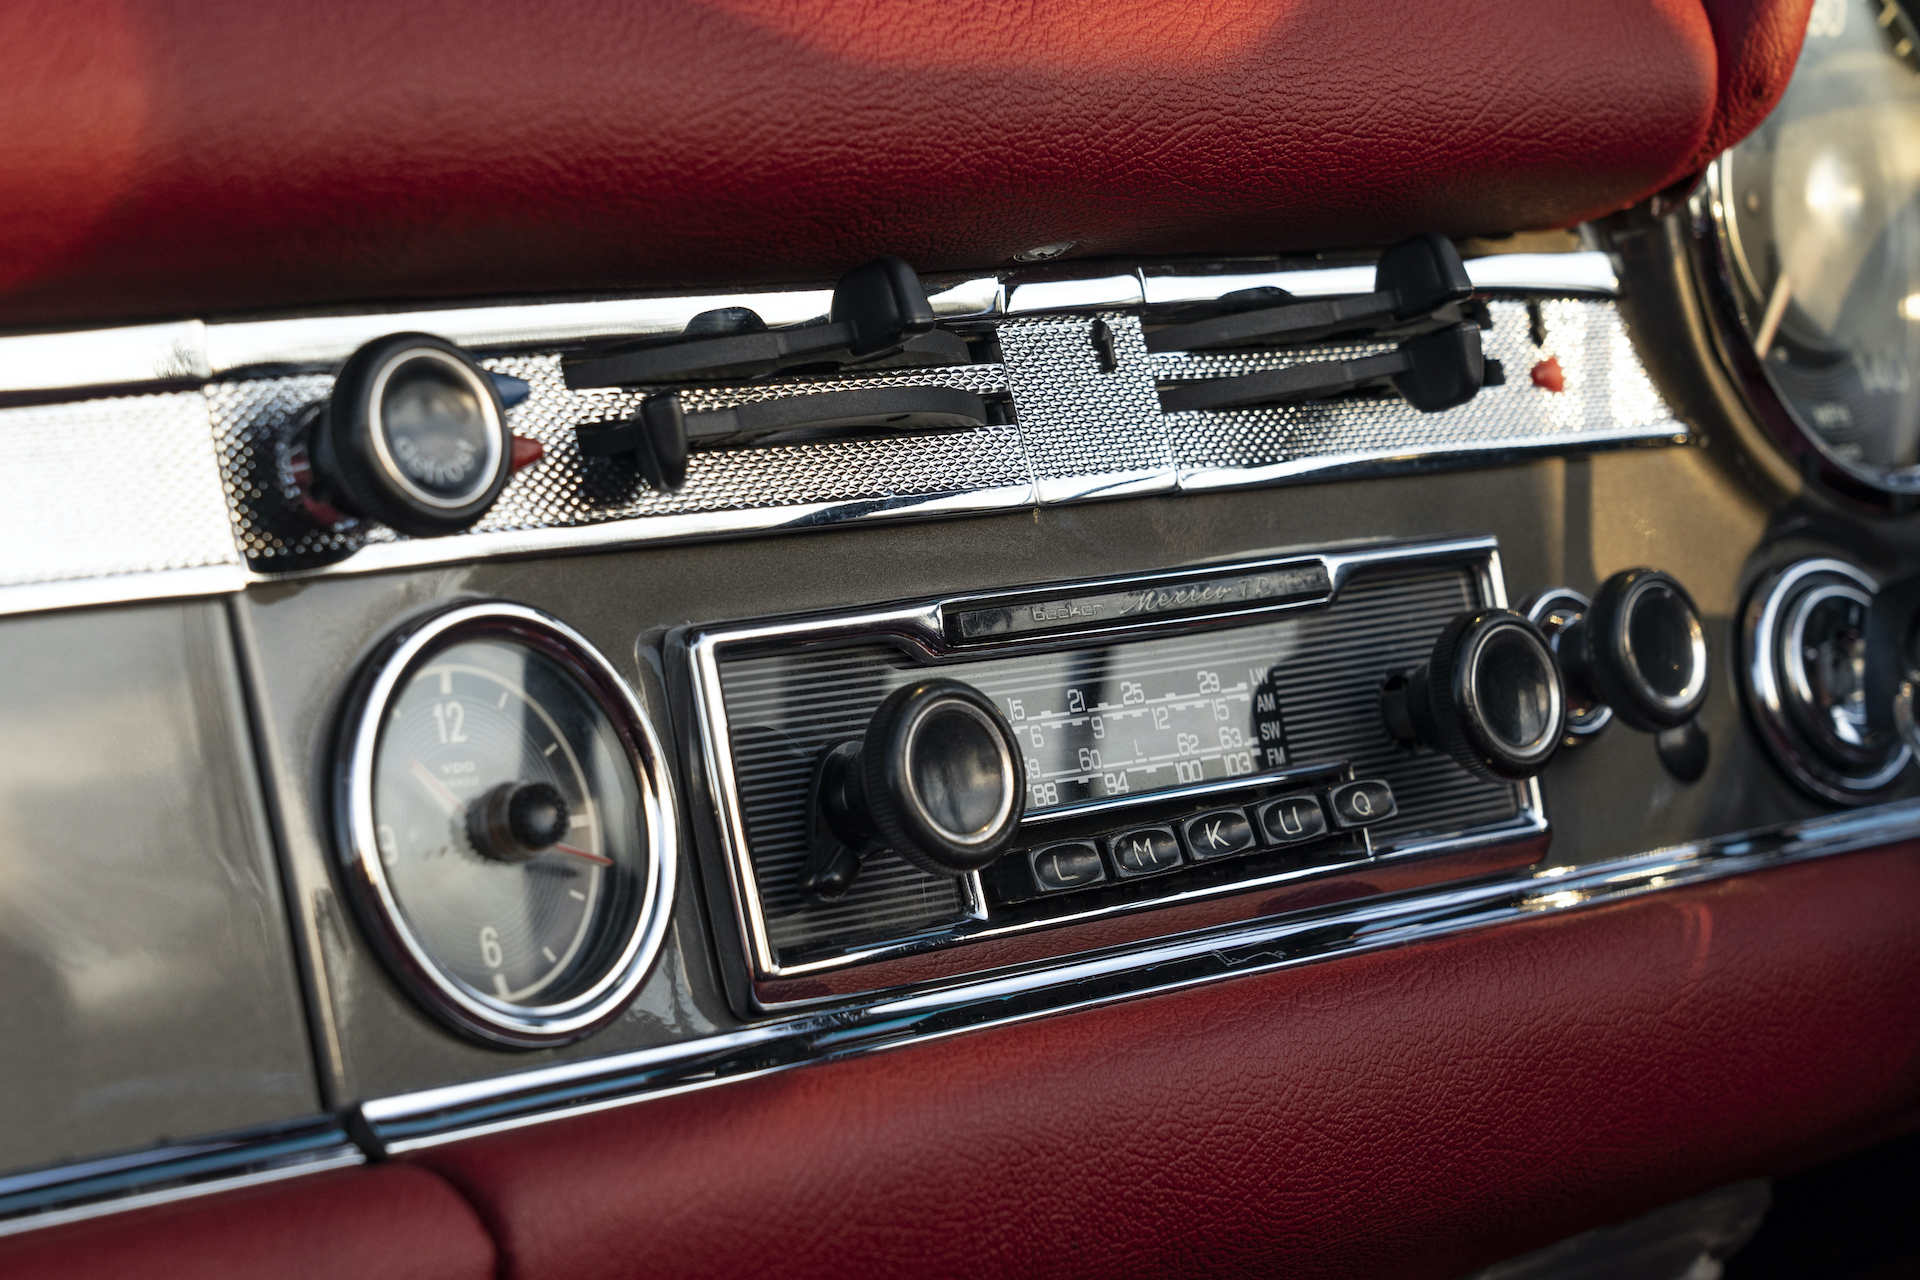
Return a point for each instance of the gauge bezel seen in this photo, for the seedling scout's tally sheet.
(496, 1021)
(1720, 256)
(1767, 686)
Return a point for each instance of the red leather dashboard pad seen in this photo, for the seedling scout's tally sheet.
(179, 157)
(1414, 1112)
(391, 1223)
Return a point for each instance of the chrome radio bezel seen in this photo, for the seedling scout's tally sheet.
(920, 629)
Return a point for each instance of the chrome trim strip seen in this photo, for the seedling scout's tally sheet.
(920, 626)
(1099, 294)
(410, 1122)
(123, 588)
(1584, 272)
(104, 357)
(90, 1188)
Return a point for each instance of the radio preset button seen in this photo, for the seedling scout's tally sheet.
(1145, 852)
(1060, 867)
(1361, 804)
(1292, 819)
(1219, 835)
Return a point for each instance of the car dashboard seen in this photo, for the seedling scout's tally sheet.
(1272, 709)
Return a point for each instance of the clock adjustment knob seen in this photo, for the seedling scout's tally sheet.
(1490, 695)
(414, 435)
(935, 779)
(518, 821)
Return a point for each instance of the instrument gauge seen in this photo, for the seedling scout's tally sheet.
(506, 824)
(1819, 214)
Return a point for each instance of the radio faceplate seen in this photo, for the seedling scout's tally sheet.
(1184, 735)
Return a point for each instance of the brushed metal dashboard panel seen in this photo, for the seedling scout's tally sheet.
(151, 986)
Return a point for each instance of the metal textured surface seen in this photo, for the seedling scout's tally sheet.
(160, 469)
(105, 487)
(1607, 399)
(152, 991)
(1090, 433)
(1326, 666)
(565, 490)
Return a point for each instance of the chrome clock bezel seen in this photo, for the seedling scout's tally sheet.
(495, 1021)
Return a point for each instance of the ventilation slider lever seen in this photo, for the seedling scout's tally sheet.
(877, 309)
(1415, 278)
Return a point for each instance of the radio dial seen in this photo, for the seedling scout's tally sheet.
(1490, 695)
(935, 779)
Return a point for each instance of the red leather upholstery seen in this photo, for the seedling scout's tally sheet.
(389, 1223)
(1756, 47)
(1411, 1113)
(173, 157)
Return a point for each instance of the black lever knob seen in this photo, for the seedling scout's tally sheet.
(936, 779)
(414, 436)
(1641, 649)
(517, 821)
(1490, 695)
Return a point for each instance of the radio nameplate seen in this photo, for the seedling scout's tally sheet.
(925, 633)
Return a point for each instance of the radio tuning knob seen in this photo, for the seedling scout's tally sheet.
(1641, 649)
(935, 779)
(1490, 695)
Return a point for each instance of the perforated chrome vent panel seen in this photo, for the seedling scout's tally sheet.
(160, 470)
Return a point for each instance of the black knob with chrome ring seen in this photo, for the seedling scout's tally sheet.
(1641, 649)
(414, 435)
(517, 821)
(1555, 611)
(935, 779)
(1490, 695)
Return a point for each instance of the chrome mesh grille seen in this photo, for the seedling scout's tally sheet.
(565, 489)
(1089, 433)
(1608, 398)
(159, 467)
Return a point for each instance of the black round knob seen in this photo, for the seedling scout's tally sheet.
(1490, 695)
(1641, 649)
(935, 779)
(414, 436)
(517, 821)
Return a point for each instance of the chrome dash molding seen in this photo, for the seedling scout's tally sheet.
(920, 627)
(431, 1117)
(89, 1189)
(426, 1118)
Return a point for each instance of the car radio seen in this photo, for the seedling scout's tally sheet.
(876, 789)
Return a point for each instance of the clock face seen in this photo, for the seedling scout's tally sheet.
(504, 820)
